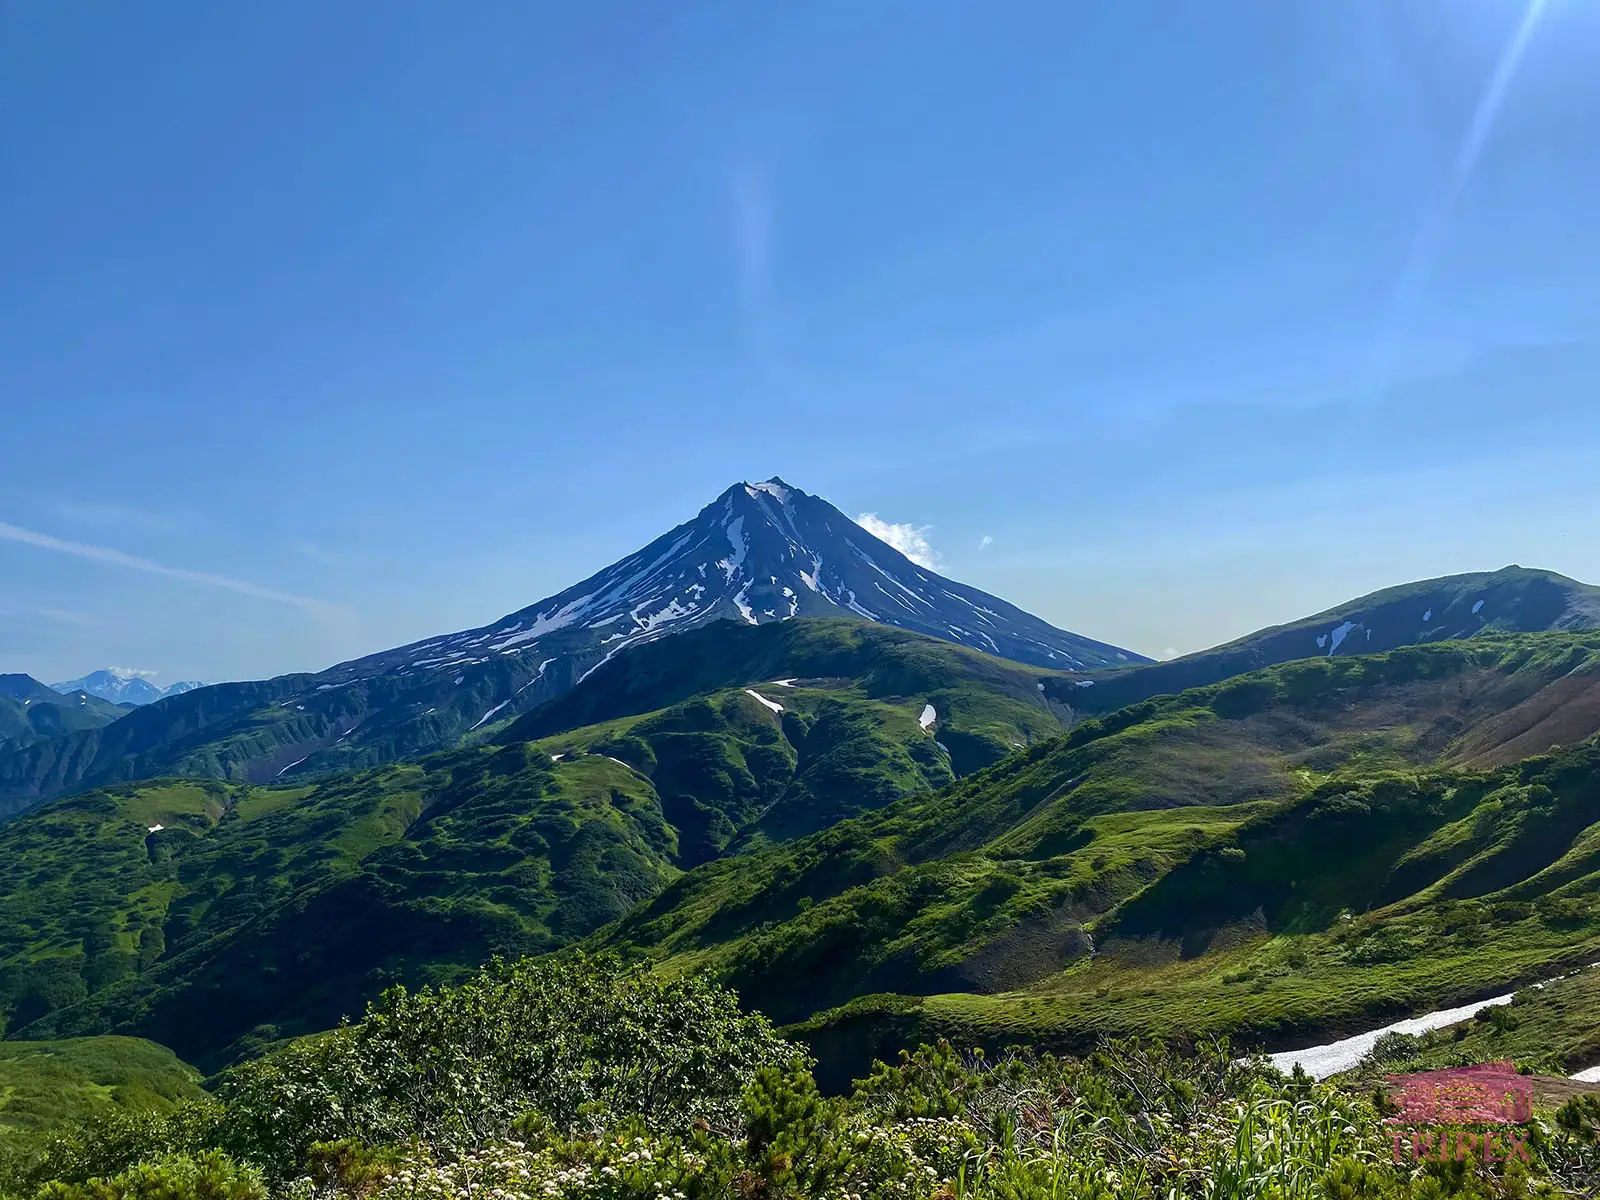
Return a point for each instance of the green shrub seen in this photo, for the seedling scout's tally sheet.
(579, 1041)
(208, 1176)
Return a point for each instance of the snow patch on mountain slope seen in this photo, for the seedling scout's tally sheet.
(772, 704)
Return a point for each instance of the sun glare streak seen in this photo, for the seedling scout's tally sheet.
(1412, 285)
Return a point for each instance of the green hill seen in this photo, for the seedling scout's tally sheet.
(256, 913)
(31, 712)
(43, 1084)
(1174, 866)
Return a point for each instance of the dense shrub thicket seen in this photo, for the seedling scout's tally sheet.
(587, 1078)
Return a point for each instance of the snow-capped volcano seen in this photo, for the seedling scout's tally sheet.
(759, 552)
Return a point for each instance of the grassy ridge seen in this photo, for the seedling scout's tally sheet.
(43, 1084)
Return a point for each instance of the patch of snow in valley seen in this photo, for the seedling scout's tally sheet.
(813, 580)
(672, 612)
(1592, 1075)
(1475, 608)
(1333, 1057)
(1041, 687)
(558, 757)
(928, 717)
(1083, 683)
(772, 704)
(1427, 616)
(158, 826)
(1322, 640)
(1338, 636)
(782, 683)
(856, 608)
(741, 547)
(490, 713)
(292, 765)
(743, 606)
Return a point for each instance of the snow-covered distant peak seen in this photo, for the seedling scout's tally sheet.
(759, 552)
(124, 685)
(774, 487)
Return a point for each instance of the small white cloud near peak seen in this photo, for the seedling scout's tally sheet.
(910, 540)
(132, 673)
(1169, 652)
(985, 541)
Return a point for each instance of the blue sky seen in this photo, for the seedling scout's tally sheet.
(363, 322)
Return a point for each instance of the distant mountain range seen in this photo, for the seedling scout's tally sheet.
(122, 686)
(759, 553)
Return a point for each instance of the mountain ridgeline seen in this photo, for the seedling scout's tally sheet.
(759, 554)
(1511, 600)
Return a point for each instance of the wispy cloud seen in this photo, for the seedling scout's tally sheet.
(910, 540)
(985, 542)
(117, 558)
(752, 232)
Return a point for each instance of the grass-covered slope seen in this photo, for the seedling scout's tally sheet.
(43, 1084)
(30, 712)
(303, 726)
(257, 732)
(258, 912)
(1511, 600)
(1118, 873)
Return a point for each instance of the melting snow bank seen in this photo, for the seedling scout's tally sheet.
(928, 717)
(772, 704)
(1592, 1075)
(1330, 1059)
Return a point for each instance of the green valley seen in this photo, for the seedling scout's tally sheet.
(218, 918)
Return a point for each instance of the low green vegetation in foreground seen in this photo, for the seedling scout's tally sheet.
(583, 1078)
(43, 1084)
